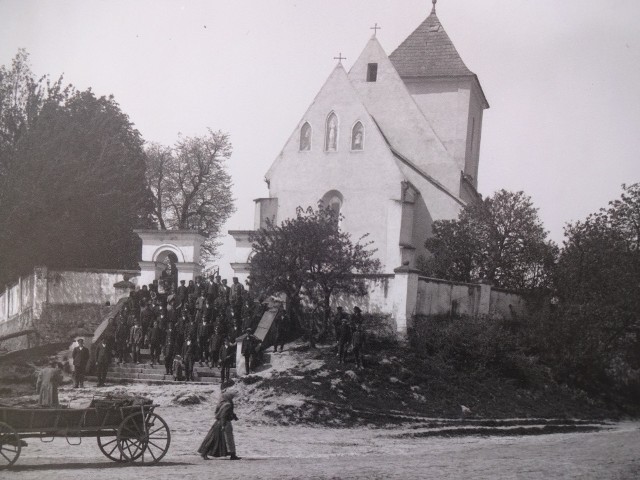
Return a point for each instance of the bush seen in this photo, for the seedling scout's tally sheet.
(479, 346)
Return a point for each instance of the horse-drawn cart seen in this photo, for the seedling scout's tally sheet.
(127, 429)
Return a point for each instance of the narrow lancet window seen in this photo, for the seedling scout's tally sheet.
(305, 137)
(331, 140)
(357, 137)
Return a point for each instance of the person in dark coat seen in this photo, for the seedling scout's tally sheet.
(250, 346)
(337, 322)
(212, 289)
(226, 292)
(356, 317)
(204, 334)
(155, 342)
(237, 297)
(220, 441)
(135, 342)
(215, 342)
(281, 326)
(147, 317)
(169, 349)
(358, 338)
(180, 328)
(80, 358)
(227, 354)
(200, 305)
(344, 339)
(181, 295)
(103, 358)
(189, 353)
(121, 337)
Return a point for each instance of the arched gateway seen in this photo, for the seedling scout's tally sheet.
(169, 256)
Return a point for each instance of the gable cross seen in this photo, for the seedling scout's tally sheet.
(340, 58)
(375, 29)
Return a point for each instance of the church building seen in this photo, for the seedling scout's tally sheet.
(392, 144)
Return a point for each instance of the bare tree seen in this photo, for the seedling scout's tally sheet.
(191, 186)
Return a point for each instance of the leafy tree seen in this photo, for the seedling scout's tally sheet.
(500, 240)
(72, 188)
(309, 257)
(598, 279)
(191, 186)
(333, 258)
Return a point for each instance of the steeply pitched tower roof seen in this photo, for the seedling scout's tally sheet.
(429, 52)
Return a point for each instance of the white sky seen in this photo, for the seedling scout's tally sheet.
(562, 78)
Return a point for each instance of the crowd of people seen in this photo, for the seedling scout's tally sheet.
(195, 323)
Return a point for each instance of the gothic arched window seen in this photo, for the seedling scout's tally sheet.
(305, 137)
(331, 133)
(357, 137)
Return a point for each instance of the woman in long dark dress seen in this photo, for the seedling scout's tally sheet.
(220, 442)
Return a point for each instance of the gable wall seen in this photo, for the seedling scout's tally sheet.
(369, 180)
(400, 118)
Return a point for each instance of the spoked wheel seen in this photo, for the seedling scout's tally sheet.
(108, 444)
(10, 446)
(143, 438)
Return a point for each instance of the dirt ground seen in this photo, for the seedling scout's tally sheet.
(274, 451)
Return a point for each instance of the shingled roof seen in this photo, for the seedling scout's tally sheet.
(429, 52)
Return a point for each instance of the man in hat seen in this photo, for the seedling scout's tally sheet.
(189, 352)
(281, 325)
(80, 358)
(227, 353)
(181, 295)
(103, 358)
(135, 342)
(250, 346)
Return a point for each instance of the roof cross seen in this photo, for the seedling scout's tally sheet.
(340, 58)
(433, 9)
(375, 29)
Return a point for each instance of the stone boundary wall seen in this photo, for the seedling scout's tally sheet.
(400, 296)
(48, 305)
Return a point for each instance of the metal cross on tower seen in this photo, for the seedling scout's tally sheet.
(375, 29)
(340, 58)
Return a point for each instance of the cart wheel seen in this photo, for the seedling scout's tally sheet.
(108, 444)
(10, 446)
(143, 441)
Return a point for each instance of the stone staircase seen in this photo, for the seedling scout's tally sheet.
(145, 373)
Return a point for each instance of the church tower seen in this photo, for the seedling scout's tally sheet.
(447, 92)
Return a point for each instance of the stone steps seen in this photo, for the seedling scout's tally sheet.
(117, 380)
(155, 374)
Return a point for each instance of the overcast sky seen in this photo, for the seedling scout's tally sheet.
(562, 78)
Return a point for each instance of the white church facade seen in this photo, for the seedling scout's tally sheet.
(393, 143)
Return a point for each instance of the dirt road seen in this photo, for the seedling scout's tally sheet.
(278, 452)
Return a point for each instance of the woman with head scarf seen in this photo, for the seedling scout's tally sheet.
(220, 442)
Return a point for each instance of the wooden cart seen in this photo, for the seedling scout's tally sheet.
(126, 428)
